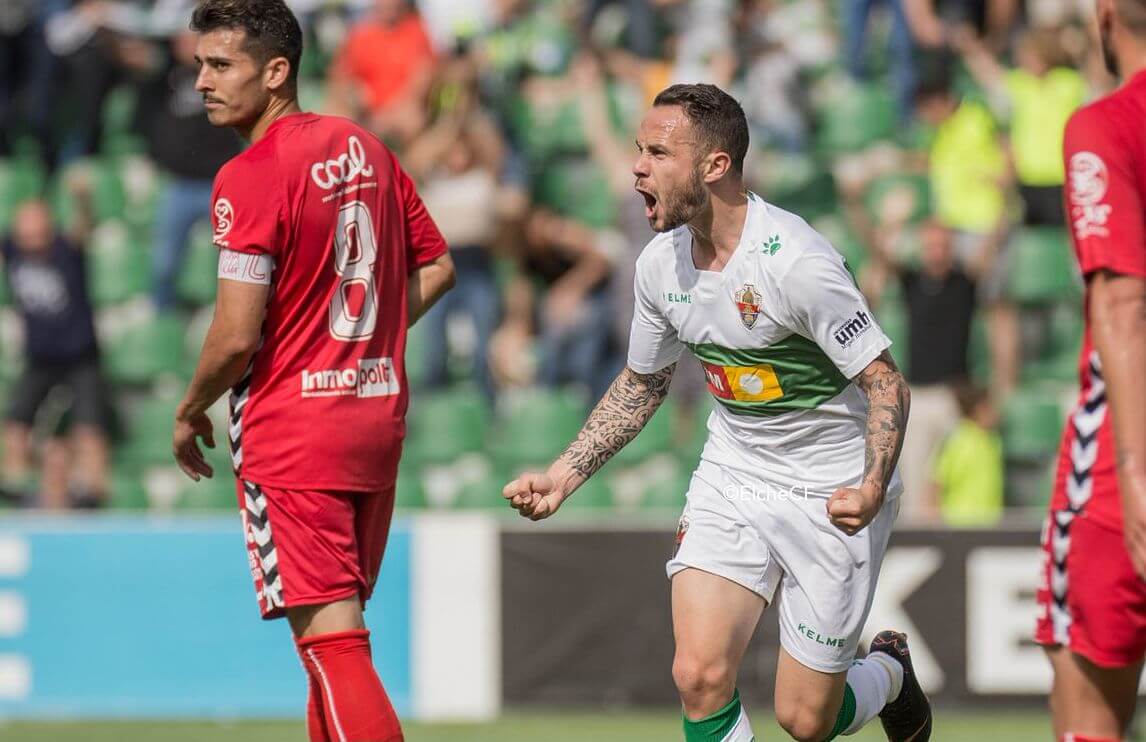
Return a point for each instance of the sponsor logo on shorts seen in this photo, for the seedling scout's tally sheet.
(855, 326)
(1089, 180)
(374, 377)
(343, 169)
(828, 641)
(681, 530)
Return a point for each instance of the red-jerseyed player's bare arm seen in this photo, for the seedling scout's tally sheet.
(1118, 327)
(427, 284)
(227, 350)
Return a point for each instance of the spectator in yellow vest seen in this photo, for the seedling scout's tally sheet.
(968, 470)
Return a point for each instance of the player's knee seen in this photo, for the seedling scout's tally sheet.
(803, 722)
(698, 679)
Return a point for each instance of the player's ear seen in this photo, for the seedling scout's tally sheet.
(716, 166)
(276, 73)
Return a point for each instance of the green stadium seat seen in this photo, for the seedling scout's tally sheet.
(668, 496)
(535, 427)
(109, 198)
(844, 239)
(118, 118)
(409, 492)
(484, 494)
(593, 495)
(979, 350)
(148, 351)
(127, 491)
(796, 183)
(119, 268)
(20, 179)
(442, 426)
(217, 493)
(416, 355)
(899, 193)
(1041, 267)
(1058, 358)
(579, 189)
(148, 432)
(857, 116)
(1032, 423)
(198, 278)
(549, 131)
(892, 317)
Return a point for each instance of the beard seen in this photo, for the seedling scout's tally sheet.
(1107, 46)
(684, 204)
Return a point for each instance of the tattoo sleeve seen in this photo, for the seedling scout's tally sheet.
(888, 403)
(618, 417)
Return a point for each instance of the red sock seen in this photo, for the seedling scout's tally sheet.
(1071, 737)
(354, 705)
(315, 718)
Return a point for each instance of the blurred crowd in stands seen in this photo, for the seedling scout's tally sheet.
(922, 137)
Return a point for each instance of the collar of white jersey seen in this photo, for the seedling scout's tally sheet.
(749, 234)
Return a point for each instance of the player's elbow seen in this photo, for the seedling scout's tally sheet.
(237, 343)
(449, 277)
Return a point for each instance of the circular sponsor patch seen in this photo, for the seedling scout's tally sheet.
(1088, 178)
(224, 218)
(751, 383)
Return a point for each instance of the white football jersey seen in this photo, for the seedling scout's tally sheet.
(780, 332)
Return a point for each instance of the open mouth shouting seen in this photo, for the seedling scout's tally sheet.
(650, 202)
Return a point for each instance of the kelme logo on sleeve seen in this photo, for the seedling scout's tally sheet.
(772, 246)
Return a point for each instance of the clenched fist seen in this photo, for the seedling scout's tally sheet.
(533, 495)
(851, 509)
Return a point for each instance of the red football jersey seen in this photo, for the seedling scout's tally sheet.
(1105, 154)
(323, 405)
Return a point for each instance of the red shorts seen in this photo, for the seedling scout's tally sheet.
(309, 548)
(1090, 600)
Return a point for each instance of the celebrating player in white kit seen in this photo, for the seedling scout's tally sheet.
(796, 491)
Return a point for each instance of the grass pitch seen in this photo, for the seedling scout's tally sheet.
(515, 727)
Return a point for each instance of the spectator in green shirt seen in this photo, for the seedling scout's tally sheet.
(1037, 96)
(967, 486)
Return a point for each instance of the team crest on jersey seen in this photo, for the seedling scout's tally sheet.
(748, 304)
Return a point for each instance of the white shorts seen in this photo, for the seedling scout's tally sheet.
(765, 537)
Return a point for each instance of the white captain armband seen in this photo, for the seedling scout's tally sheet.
(245, 267)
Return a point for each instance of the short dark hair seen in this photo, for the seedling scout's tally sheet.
(271, 28)
(718, 118)
(968, 396)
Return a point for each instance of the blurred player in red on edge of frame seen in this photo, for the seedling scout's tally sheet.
(1092, 600)
(327, 255)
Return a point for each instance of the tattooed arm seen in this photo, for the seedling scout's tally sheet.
(618, 417)
(888, 403)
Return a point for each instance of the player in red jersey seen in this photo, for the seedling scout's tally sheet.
(1093, 597)
(326, 256)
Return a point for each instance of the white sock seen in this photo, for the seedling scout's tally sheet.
(875, 681)
(741, 731)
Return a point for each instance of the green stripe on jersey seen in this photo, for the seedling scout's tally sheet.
(807, 377)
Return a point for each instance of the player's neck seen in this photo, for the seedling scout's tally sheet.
(1130, 51)
(278, 108)
(716, 231)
